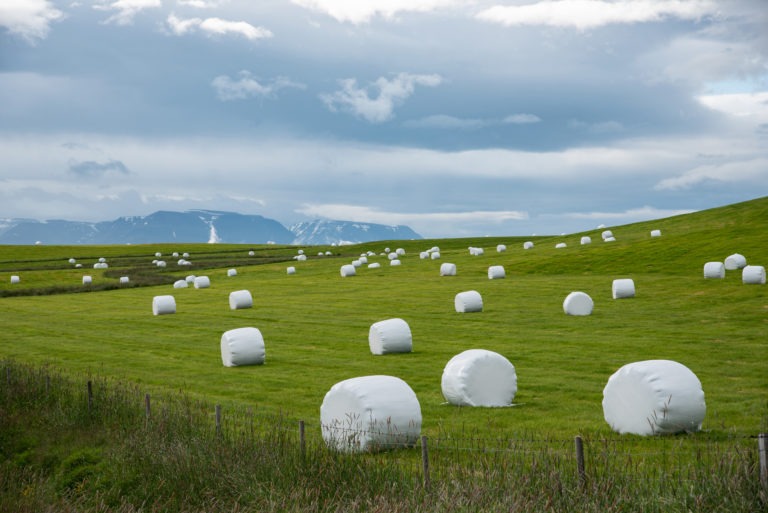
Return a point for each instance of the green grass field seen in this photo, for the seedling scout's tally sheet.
(315, 323)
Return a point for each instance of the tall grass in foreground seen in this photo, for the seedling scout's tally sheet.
(65, 450)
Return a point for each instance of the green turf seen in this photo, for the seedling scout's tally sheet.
(315, 323)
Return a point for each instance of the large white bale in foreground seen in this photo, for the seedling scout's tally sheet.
(623, 288)
(390, 336)
(468, 301)
(242, 346)
(202, 282)
(578, 303)
(478, 377)
(735, 261)
(496, 272)
(347, 270)
(240, 299)
(714, 270)
(447, 269)
(753, 274)
(162, 305)
(370, 413)
(654, 397)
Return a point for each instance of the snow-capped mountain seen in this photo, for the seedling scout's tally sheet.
(195, 226)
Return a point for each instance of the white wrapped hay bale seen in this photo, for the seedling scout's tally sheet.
(607, 234)
(291, 270)
(578, 303)
(654, 397)
(734, 262)
(163, 305)
(655, 233)
(202, 282)
(100, 265)
(468, 301)
(347, 270)
(124, 280)
(87, 280)
(609, 239)
(72, 261)
(15, 279)
(400, 252)
(478, 377)
(240, 299)
(363, 260)
(301, 258)
(394, 262)
(370, 413)
(390, 336)
(158, 254)
(190, 279)
(586, 240)
(424, 255)
(231, 272)
(476, 251)
(160, 263)
(560, 245)
(242, 346)
(434, 255)
(175, 254)
(392, 256)
(527, 244)
(753, 275)
(102, 260)
(374, 265)
(300, 252)
(251, 253)
(623, 288)
(180, 284)
(496, 272)
(500, 248)
(714, 270)
(447, 269)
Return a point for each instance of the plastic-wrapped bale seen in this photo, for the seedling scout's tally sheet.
(290, 270)
(400, 252)
(476, 251)
(185, 255)
(240, 299)
(15, 279)
(500, 248)
(251, 253)
(434, 255)
(654, 397)
(623, 288)
(102, 260)
(468, 301)
(394, 262)
(609, 239)
(424, 255)
(163, 305)
(161, 263)
(242, 346)
(180, 284)
(478, 377)
(100, 265)
(231, 272)
(607, 234)
(300, 252)
(363, 259)
(158, 255)
(175, 254)
(124, 280)
(392, 256)
(301, 258)
(496, 272)
(357, 263)
(560, 245)
(714, 270)
(586, 240)
(374, 265)
(447, 269)
(72, 261)
(370, 413)
(734, 262)
(753, 275)
(190, 279)
(202, 282)
(390, 336)
(527, 244)
(655, 233)
(578, 303)
(347, 270)
(87, 280)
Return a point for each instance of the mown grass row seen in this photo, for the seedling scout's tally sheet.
(62, 452)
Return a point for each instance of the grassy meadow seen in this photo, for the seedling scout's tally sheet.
(315, 323)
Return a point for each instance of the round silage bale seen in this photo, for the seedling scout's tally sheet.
(586, 240)
(734, 262)
(753, 275)
(374, 265)
(424, 255)
(655, 233)
(242, 346)
(231, 272)
(124, 280)
(240, 299)
(347, 270)
(394, 262)
(72, 261)
(390, 336)
(496, 272)
(560, 245)
(87, 280)
(400, 252)
(370, 413)
(15, 279)
(623, 288)
(468, 301)
(251, 253)
(447, 269)
(180, 284)
(527, 244)
(500, 248)
(163, 305)
(578, 303)
(478, 377)
(654, 397)
(714, 270)
(161, 263)
(190, 279)
(607, 234)
(291, 270)
(202, 282)
(434, 255)
(357, 263)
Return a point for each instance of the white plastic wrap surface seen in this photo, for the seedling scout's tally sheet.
(468, 301)
(578, 303)
(714, 270)
(390, 336)
(447, 269)
(478, 377)
(180, 284)
(496, 272)
(623, 288)
(347, 270)
(370, 413)
(240, 299)
(735, 261)
(654, 397)
(162, 305)
(202, 282)
(242, 346)
(753, 274)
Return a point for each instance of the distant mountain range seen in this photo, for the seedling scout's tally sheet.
(197, 226)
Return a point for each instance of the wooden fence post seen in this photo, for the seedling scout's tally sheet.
(762, 446)
(425, 462)
(580, 460)
(302, 440)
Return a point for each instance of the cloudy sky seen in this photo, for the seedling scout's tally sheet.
(457, 118)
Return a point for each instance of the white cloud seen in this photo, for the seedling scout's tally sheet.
(29, 19)
(752, 170)
(362, 11)
(247, 86)
(589, 14)
(199, 4)
(748, 106)
(444, 122)
(601, 127)
(390, 94)
(216, 26)
(645, 213)
(126, 9)
(522, 119)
